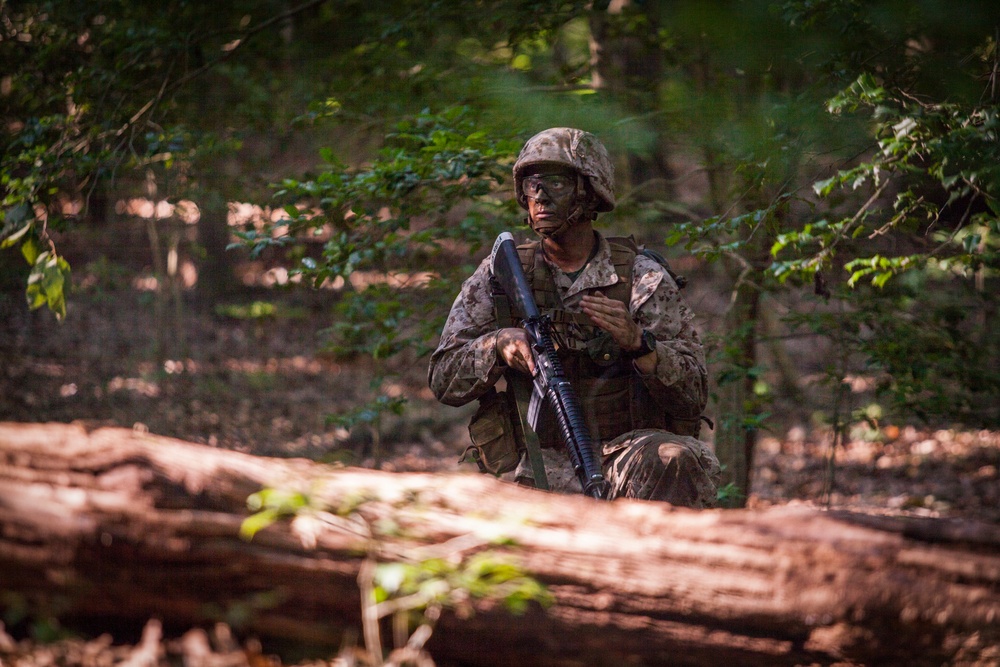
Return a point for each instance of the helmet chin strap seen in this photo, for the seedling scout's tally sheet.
(578, 213)
(554, 233)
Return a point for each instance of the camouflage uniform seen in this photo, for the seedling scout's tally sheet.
(644, 463)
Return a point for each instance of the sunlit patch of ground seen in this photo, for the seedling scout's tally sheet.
(909, 470)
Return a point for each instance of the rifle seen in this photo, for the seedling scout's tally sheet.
(549, 382)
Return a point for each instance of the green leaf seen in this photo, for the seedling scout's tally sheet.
(46, 284)
(391, 576)
(14, 217)
(881, 279)
(856, 276)
(30, 250)
(971, 242)
(12, 239)
(255, 523)
(825, 187)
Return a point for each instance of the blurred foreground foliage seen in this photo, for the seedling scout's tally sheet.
(409, 585)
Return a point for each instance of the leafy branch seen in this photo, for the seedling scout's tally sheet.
(917, 144)
(396, 581)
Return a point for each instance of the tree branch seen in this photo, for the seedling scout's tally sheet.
(166, 89)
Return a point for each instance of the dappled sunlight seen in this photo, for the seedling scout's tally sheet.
(277, 276)
(255, 275)
(48, 369)
(246, 214)
(858, 384)
(146, 283)
(296, 364)
(394, 389)
(72, 207)
(912, 471)
(186, 273)
(134, 385)
(361, 280)
(185, 210)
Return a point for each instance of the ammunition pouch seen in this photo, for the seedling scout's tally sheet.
(496, 440)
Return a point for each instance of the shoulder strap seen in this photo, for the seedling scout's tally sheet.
(527, 252)
(501, 305)
(623, 252)
(629, 242)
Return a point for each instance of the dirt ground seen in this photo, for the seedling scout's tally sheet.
(263, 385)
(255, 379)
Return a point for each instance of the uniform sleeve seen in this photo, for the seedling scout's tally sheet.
(464, 365)
(679, 383)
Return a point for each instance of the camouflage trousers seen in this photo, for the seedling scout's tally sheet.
(646, 464)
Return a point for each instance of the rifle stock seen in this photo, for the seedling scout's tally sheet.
(549, 383)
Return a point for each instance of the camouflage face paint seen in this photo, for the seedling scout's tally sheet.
(551, 192)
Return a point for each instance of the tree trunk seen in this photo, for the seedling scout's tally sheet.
(736, 433)
(215, 278)
(626, 64)
(117, 525)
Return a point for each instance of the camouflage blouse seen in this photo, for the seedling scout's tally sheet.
(464, 365)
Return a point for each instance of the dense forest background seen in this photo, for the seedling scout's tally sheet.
(243, 223)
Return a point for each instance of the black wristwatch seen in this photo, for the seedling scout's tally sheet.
(647, 344)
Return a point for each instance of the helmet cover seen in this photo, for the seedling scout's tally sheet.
(572, 148)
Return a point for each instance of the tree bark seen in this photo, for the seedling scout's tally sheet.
(735, 434)
(123, 526)
(215, 276)
(626, 63)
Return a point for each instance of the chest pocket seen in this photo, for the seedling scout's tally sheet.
(573, 332)
(614, 398)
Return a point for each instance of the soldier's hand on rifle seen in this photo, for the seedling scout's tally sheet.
(515, 350)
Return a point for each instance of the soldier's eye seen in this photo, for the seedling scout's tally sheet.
(551, 183)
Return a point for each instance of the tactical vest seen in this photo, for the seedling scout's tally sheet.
(613, 397)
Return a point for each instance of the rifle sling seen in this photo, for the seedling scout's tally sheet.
(521, 387)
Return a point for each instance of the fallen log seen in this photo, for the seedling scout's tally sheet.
(121, 526)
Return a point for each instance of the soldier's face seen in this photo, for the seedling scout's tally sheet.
(550, 193)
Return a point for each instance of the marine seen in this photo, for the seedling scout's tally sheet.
(622, 331)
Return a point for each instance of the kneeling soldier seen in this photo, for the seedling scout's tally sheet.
(622, 331)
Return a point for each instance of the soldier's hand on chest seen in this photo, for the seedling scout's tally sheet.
(613, 316)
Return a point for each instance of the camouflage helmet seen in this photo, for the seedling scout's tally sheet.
(573, 148)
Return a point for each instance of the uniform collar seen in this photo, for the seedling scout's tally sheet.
(598, 273)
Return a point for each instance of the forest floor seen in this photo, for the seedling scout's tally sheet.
(255, 379)
(263, 385)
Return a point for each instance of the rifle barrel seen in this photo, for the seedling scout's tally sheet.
(550, 379)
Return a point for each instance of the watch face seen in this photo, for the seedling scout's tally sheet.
(647, 346)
